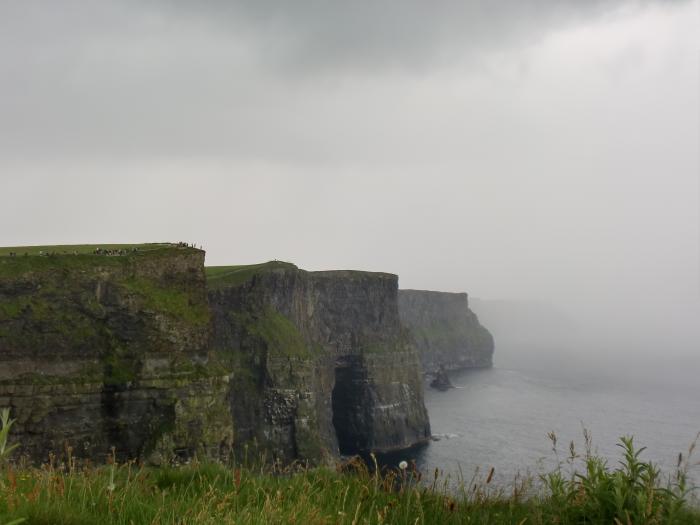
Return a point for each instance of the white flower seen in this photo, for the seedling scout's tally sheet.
(403, 465)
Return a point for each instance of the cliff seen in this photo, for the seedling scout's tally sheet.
(138, 349)
(321, 361)
(445, 331)
(110, 349)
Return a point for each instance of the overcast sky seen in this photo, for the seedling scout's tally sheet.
(540, 149)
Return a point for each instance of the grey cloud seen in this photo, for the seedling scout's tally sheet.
(234, 78)
(316, 34)
(537, 149)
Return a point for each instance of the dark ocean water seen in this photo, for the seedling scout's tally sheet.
(500, 418)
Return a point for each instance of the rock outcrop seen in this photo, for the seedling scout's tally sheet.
(100, 351)
(446, 332)
(441, 381)
(321, 361)
(140, 350)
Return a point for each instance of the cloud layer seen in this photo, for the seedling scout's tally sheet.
(538, 149)
(200, 78)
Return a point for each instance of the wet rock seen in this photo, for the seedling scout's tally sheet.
(441, 381)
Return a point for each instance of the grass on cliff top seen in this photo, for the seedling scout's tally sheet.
(224, 276)
(353, 274)
(70, 257)
(629, 494)
(80, 249)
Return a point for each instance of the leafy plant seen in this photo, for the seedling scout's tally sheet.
(590, 493)
(6, 423)
(630, 493)
(6, 449)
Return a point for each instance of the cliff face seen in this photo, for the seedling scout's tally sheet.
(111, 350)
(141, 351)
(446, 332)
(320, 359)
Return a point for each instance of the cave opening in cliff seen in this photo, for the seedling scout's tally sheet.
(349, 406)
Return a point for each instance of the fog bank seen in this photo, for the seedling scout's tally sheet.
(544, 152)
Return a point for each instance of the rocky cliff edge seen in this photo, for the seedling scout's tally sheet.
(445, 331)
(321, 361)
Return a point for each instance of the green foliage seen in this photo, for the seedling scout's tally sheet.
(280, 335)
(351, 494)
(6, 424)
(62, 305)
(228, 276)
(630, 493)
(5, 450)
(58, 259)
(11, 308)
(119, 368)
(80, 249)
(170, 300)
(48, 308)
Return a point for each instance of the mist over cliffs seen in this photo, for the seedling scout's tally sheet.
(445, 331)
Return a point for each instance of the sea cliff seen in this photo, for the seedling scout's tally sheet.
(141, 353)
(321, 361)
(445, 331)
(103, 349)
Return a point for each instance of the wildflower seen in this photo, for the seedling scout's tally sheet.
(403, 465)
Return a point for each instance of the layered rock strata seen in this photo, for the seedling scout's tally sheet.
(445, 331)
(139, 353)
(321, 361)
(100, 351)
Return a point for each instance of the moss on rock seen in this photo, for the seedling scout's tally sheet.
(133, 324)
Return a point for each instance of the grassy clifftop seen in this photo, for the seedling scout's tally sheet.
(19, 260)
(61, 287)
(227, 276)
(78, 249)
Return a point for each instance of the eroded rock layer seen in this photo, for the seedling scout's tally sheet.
(445, 331)
(320, 360)
(110, 350)
(140, 353)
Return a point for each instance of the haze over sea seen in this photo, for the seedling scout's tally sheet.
(500, 417)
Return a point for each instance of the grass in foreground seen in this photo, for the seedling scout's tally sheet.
(632, 493)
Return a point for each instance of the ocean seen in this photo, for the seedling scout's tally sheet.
(500, 418)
